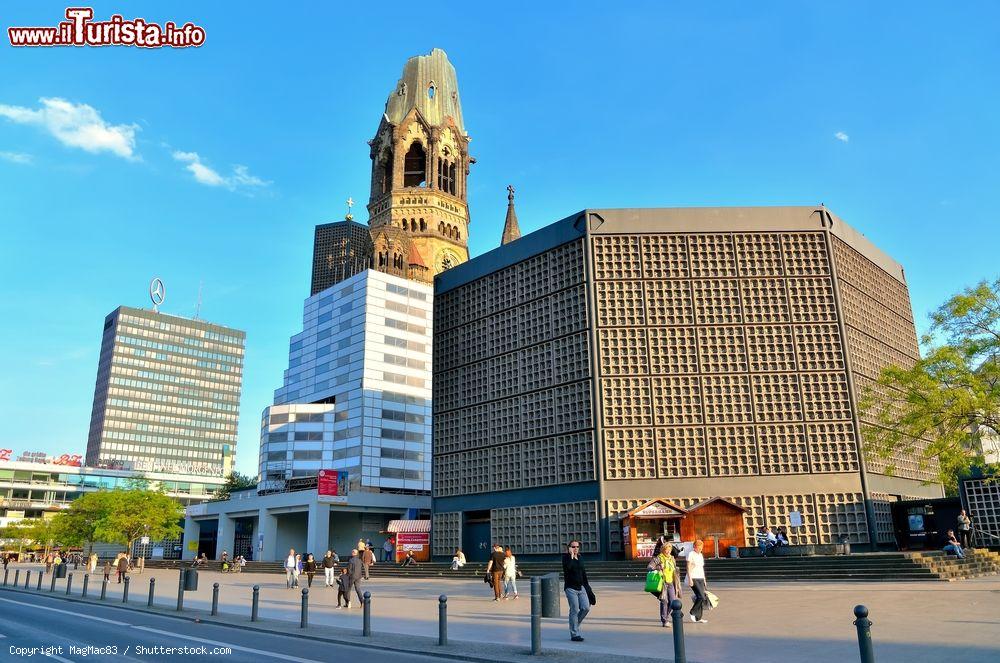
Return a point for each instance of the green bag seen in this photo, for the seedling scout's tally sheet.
(654, 582)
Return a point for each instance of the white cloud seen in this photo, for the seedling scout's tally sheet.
(841, 136)
(240, 178)
(16, 157)
(76, 125)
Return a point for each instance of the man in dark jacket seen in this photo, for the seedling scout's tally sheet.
(367, 559)
(495, 569)
(577, 589)
(330, 567)
(356, 572)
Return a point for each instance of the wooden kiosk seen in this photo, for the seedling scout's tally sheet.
(643, 525)
(411, 536)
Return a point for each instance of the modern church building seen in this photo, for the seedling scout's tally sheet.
(632, 363)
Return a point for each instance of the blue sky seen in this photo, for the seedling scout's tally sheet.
(886, 115)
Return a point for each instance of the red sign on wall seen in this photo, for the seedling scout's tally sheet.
(331, 486)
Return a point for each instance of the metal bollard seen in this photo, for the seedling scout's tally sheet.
(366, 622)
(27, 578)
(104, 589)
(69, 582)
(180, 592)
(677, 616)
(86, 581)
(304, 618)
(442, 620)
(6, 572)
(152, 587)
(125, 590)
(215, 599)
(52, 584)
(17, 576)
(256, 601)
(536, 616)
(864, 634)
(39, 586)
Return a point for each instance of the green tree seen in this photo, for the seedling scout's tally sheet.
(77, 525)
(31, 532)
(951, 397)
(235, 481)
(136, 513)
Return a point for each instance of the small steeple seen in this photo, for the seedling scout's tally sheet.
(511, 231)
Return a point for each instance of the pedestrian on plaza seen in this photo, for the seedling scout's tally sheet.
(330, 568)
(57, 560)
(141, 564)
(290, 569)
(664, 562)
(367, 559)
(697, 582)
(356, 573)
(509, 575)
(92, 565)
(409, 560)
(298, 569)
(108, 567)
(964, 529)
(309, 566)
(579, 595)
(387, 550)
(494, 569)
(6, 561)
(458, 561)
(239, 563)
(76, 561)
(952, 545)
(48, 562)
(344, 588)
(122, 567)
(368, 544)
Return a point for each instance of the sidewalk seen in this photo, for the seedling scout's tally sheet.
(913, 622)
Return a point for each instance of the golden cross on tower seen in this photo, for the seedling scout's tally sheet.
(350, 204)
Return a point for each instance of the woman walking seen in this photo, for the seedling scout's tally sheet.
(664, 562)
(509, 575)
(696, 581)
(578, 593)
(310, 568)
(297, 571)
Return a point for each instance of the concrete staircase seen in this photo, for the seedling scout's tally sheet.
(977, 563)
(858, 567)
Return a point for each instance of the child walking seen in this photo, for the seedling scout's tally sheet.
(343, 588)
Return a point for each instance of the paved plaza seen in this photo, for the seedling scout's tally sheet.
(754, 623)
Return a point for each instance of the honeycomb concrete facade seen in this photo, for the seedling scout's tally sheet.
(619, 356)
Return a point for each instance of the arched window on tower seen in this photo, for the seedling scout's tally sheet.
(423, 225)
(414, 166)
(385, 173)
(406, 224)
(441, 227)
(458, 234)
(451, 179)
(444, 176)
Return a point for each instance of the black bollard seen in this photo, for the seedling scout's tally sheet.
(17, 576)
(366, 623)
(180, 592)
(864, 634)
(677, 615)
(256, 600)
(104, 589)
(536, 616)
(304, 618)
(27, 578)
(39, 586)
(125, 590)
(442, 620)
(215, 599)
(52, 584)
(86, 581)
(152, 587)
(6, 572)
(69, 582)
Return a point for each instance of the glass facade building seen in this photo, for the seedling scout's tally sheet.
(356, 395)
(167, 395)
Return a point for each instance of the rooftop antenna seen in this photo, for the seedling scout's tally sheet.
(197, 306)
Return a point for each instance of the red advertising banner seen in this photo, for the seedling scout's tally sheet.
(331, 486)
(415, 541)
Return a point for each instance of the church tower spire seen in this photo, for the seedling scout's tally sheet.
(420, 164)
(511, 230)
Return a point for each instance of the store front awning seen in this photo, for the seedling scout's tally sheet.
(396, 526)
(657, 509)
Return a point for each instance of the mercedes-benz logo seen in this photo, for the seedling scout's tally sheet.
(157, 292)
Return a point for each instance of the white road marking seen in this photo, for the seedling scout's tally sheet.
(59, 658)
(216, 643)
(67, 612)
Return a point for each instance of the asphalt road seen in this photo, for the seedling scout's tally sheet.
(38, 628)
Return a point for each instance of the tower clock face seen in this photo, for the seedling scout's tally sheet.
(446, 260)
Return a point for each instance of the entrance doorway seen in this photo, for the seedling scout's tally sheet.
(476, 536)
(207, 538)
